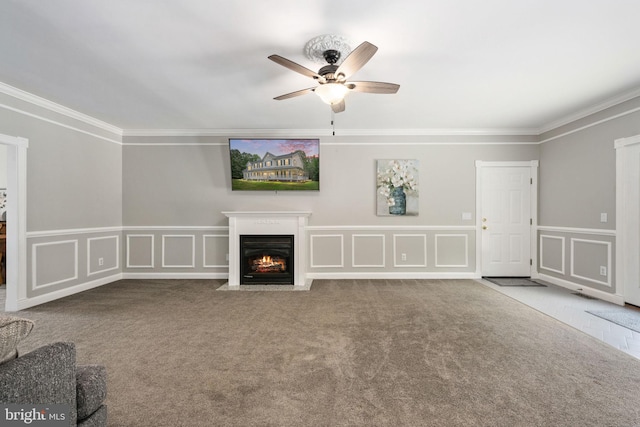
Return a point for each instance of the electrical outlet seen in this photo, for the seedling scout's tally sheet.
(604, 217)
(603, 270)
(227, 257)
(100, 261)
(403, 257)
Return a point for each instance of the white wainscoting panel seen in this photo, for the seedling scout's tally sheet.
(107, 245)
(575, 243)
(137, 243)
(456, 248)
(326, 251)
(413, 246)
(545, 243)
(213, 246)
(178, 251)
(64, 270)
(368, 250)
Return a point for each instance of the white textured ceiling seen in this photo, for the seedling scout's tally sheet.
(202, 64)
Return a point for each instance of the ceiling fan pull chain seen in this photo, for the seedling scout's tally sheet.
(333, 123)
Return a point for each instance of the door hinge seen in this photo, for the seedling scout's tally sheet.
(530, 221)
(530, 261)
(531, 181)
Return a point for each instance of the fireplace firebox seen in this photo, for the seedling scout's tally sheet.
(266, 259)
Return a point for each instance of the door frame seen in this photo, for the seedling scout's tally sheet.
(17, 216)
(624, 236)
(533, 165)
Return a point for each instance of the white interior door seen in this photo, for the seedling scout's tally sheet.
(506, 221)
(628, 218)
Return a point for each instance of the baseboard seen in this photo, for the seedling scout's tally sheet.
(159, 275)
(392, 275)
(613, 298)
(52, 296)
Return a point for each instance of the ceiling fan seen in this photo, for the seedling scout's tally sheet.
(332, 78)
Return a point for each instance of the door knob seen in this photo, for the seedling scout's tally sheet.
(484, 227)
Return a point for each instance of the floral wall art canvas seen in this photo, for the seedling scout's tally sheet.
(397, 187)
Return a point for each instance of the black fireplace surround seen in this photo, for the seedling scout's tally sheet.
(266, 259)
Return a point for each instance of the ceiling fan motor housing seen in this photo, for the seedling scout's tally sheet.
(328, 72)
(331, 56)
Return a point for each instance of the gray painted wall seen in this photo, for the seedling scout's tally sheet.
(176, 183)
(74, 199)
(181, 184)
(578, 184)
(99, 210)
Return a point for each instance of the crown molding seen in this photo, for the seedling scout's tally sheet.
(92, 121)
(581, 114)
(57, 108)
(328, 132)
(227, 132)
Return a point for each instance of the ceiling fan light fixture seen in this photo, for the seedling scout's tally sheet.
(331, 93)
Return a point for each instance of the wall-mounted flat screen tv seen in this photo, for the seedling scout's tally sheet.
(275, 164)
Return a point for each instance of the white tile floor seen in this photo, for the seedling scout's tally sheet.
(564, 305)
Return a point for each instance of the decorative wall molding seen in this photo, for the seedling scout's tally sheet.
(312, 240)
(57, 108)
(165, 243)
(34, 264)
(605, 296)
(392, 227)
(74, 231)
(175, 227)
(392, 275)
(397, 237)
(178, 276)
(204, 250)
(116, 255)
(65, 292)
(92, 121)
(151, 238)
(259, 133)
(574, 230)
(608, 266)
(354, 237)
(466, 250)
(611, 102)
(562, 250)
(63, 125)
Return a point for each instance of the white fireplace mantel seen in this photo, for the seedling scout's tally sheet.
(268, 222)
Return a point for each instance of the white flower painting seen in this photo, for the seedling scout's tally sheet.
(397, 187)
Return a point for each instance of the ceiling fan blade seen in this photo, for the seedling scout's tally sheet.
(338, 107)
(373, 87)
(295, 67)
(356, 59)
(294, 94)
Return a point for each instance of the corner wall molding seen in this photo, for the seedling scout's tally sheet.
(57, 108)
(611, 102)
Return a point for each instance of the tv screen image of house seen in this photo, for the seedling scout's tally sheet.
(275, 164)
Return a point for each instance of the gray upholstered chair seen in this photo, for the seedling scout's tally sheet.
(49, 375)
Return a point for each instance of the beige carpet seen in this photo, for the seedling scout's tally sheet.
(345, 353)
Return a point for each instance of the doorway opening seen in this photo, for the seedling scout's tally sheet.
(16, 218)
